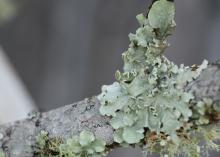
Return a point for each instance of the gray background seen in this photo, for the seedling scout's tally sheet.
(64, 50)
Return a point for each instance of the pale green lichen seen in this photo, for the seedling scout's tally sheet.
(84, 145)
(148, 104)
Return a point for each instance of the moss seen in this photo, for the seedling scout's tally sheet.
(47, 147)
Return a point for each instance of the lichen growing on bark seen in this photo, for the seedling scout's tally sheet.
(148, 104)
(84, 145)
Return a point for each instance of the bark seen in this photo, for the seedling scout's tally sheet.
(19, 137)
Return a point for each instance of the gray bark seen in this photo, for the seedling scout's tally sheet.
(19, 137)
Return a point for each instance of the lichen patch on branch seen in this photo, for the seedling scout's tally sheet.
(148, 104)
(154, 104)
(84, 145)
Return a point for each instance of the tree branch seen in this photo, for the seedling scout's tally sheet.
(17, 139)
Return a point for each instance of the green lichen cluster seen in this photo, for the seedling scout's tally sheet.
(148, 104)
(84, 145)
(190, 144)
(205, 111)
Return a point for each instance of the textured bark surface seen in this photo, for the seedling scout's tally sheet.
(17, 139)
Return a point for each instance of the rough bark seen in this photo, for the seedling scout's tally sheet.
(19, 137)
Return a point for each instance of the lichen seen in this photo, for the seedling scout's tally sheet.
(148, 104)
(84, 145)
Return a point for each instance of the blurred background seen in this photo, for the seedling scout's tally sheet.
(55, 53)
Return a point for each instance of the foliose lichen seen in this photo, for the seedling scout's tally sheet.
(148, 104)
(84, 145)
